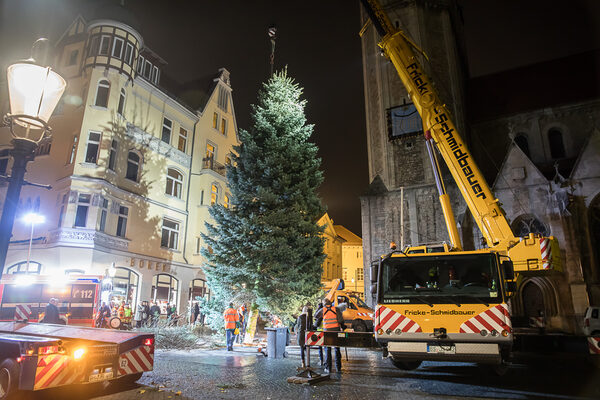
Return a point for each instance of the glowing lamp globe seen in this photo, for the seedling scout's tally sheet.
(34, 92)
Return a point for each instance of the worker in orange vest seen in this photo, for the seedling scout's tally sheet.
(231, 320)
(332, 321)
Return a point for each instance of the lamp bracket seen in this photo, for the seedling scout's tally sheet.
(11, 119)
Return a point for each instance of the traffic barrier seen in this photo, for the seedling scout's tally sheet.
(22, 312)
(137, 360)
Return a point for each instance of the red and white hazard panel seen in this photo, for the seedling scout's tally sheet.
(496, 318)
(315, 338)
(594, 345)
(22, 311)
(386, 318)
(137, 360)
(55, 370)
(546, 250)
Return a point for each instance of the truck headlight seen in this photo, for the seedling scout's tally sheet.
(77, 354)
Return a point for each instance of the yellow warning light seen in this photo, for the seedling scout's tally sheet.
(77, 354)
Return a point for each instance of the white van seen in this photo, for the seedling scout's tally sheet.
(591, 322)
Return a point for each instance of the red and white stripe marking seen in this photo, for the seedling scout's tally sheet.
(386, 318)
(364, 314)
(496, 318)
(546, 250)
(318, 340)
(594, 344)
(137, 360)
(22, 311)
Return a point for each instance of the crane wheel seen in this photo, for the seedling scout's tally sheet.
(358, 325)
(9, 378)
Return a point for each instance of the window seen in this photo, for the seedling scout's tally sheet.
(121, 105)
(216, 121)
(133, 166)
(226, 201)
(124, 286)
(103, 214)
(154, 77)
(214, 194)
(174, 183)
(164, 290)
(198, 289)
(198, 242)
(83, 204)
(521, 141)
(104, 45)
(94, 46)
(210, 151)
(223, 126)
(128, 53)
(33, 268)
(61, 215)
(140, 65)
(170, 234)
(555, 140)
(93, 145)
(73, 149)
(112, 156)
(102, 93)
(117, 48)
(73, 57)
(182, 143)
(360, 275)
(166, 130)
(122, 221)
(147, 69)
(3, 161)
(223, 98)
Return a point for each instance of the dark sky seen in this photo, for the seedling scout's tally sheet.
(319, 43)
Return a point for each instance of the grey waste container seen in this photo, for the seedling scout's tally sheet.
(277, 339)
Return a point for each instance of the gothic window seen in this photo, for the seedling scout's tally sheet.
(527, 223)
(555, 140)
(521, 141)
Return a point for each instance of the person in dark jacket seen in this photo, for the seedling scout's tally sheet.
(154, 314)
(195, 312)
(51, 314)
(303, 324)
(332, 321)
(146, 314)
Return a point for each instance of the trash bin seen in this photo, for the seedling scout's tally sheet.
(277, 339)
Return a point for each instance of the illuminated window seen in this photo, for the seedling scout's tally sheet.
(117, 48)
(164, 290)
(360, 274)
(182, 143)
(83, 205)
(174, 183)
(22, 268)
(102, 93)
(210, 151)
(122, 221)
(121, 105)
(227, 160)
(166, 130)
(170, 234)
(133, 166)
(223, 126)
(214, 194)
(226, 201)
(93, 146)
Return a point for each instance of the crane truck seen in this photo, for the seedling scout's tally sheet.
(446, 303)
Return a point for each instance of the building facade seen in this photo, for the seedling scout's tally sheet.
(537, 147)
(352, 261)
(133, 170)
(332, 265)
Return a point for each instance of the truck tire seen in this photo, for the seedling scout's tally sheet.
(9, 378)
(358, 325)
(405, 365)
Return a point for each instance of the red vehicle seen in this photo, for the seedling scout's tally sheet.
(24, 297)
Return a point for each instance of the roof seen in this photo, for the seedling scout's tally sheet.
(561, 81)
(351, 238)
(111, 9)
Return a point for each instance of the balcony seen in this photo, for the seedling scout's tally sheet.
(81, 237)
(210, 163)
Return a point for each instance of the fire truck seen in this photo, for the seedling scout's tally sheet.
(36, 356)
(441, 302)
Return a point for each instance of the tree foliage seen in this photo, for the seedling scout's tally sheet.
(266, 247)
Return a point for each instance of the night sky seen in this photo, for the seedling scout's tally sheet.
(318, 42)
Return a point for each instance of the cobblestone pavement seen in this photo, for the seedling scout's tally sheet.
(245, 374)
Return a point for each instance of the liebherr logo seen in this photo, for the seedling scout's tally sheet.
(461, 157)
(415, 75)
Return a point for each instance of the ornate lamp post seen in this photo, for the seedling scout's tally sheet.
(34, 92)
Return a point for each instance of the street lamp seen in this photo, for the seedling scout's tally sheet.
(32, 218)
(34, 92)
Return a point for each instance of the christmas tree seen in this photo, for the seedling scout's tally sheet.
(266, 248)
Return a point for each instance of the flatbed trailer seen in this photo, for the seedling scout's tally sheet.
(36, 356)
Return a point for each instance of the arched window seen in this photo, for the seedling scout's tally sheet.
(121, 105)
(527, 223)
(174, 183)
(214, 193)
(521, 141)
(125, 284)
(134, 163)
(555, 140)
(34, 268)
(102, 93)
(164, 290)
(198, 288)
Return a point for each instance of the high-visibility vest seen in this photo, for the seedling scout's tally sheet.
(330, 321)
(231, 317)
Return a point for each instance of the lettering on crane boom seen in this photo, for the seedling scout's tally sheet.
(415, 75)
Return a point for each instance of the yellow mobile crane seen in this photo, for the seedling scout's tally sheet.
(447, 303)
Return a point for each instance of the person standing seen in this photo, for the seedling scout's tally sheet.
(302, 325)
(103, 315)
(195, 313)
(139, 315)
(145, 313)
(332, 321)
(154, 314)
(51, 314)
(231, 318)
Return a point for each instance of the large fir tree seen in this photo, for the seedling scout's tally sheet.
(267, 247)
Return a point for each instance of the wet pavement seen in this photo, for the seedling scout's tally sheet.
(244, 373)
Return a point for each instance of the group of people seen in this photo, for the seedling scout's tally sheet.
(235, 324)
(147, 314)
(115, 309)
(330, 317)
